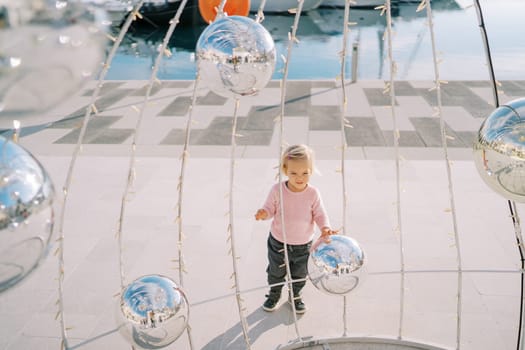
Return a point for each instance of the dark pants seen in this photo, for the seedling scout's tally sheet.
(276, 270)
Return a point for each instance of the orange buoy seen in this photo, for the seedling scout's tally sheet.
(208, 8)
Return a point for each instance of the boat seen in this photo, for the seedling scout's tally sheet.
(146, 39)
(115, 9)
(310, 26)
(185, 38)
(354, 3)
(159, 13)
(283, 6)
(153, 13)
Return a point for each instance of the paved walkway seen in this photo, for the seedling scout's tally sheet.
(490, 286)
(312, 115)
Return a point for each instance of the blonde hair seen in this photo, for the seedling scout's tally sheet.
(297, 152)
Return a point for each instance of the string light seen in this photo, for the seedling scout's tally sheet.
(231, 232)
(131, 170)
(389, 87)
(69, 175)
(444, 137)
(180, 187)
(344, 124)
(281, 150)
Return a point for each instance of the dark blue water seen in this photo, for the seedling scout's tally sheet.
(456, 29)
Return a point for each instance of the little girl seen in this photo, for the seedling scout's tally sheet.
(302, 208)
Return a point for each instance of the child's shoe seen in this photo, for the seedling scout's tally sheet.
(300, 307)
(271, 303)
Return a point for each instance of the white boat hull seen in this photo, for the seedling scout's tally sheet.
(272, 6)
(354, 3)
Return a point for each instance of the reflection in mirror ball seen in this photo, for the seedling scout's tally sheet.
(235, 56)
(48, 49)
(153, 312)
(26, 213)
(336, 267)
(499, 150)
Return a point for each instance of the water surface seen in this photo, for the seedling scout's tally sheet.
(456, 31)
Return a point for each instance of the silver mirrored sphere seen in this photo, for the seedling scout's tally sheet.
(153, 312)
(499, 150)
(26, 213)
(48, 50)
(235, 56)
(336, 267)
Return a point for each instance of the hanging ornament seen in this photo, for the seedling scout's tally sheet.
(26, 213)
(208, 8)
(336, 267)
(152, 312)
(236, 56)
(499, 150)
(48, 49)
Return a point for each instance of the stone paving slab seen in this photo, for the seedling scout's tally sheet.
(464, 106)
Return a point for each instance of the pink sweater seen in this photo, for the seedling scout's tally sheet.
(301, 211)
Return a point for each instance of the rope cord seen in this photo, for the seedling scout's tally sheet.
(260, 14)
(131, 170)
(344, 124)
(91, 109)
(444, 137)
(220, 9)
(162, 51)
(180, 187)
(231, 231)
(291, 40)
(395, 133)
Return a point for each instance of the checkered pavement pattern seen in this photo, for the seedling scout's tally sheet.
(312, 107)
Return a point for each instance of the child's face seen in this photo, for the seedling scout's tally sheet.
(298, 172)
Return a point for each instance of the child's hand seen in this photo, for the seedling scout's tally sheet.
(326, 232)
(261, 214)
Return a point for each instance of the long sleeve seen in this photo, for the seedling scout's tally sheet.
(319, 213)
(271, 203)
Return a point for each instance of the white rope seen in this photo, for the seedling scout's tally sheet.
(231, 232)
(91, 109)
(344, 125)
(162, 51)
(291, 40)
(395, 133)
(260, 14)
(220, 9)
(180, 187)
(131, 169)
(444, 137)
